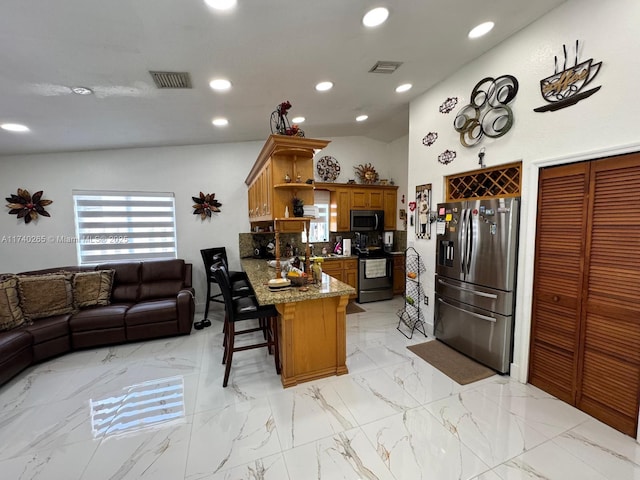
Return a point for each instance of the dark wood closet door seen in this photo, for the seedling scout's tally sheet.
(609, 379)
(560, 243)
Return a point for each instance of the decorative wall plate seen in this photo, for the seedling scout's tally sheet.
(328, 168)
(367, 173)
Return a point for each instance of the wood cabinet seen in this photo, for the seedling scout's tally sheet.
(390, 201)
(398, 274)
(340, 210)
(269, 194)
(367, 199)
(346, 197)
(345, 270)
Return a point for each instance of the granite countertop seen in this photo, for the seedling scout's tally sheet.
(259, 273)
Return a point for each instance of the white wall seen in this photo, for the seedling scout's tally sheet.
(219, 169)
(598, 126)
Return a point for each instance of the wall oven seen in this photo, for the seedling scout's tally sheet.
(367, 220)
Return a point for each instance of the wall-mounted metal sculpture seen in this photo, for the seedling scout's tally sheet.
(565, 88)
(488, 113)
(429, 139)
(448, 105)
(447, 157)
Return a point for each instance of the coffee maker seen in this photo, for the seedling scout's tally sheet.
(387, 241)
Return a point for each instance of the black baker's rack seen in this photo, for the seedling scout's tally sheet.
(411, 315)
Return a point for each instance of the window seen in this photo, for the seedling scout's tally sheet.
(113, 226)
(319, 228)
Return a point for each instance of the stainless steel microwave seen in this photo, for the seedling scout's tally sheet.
(367, 220)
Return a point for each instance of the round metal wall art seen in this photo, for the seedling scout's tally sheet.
(328, 168)
(429, 139)
(488, 113)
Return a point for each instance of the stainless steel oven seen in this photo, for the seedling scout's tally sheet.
(375, 278)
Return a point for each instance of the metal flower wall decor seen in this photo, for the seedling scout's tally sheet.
(206, 205)
(28, 206)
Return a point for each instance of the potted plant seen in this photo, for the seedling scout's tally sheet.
(298, 207)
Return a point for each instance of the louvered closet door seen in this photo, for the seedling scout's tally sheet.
(560, 243)
(609, 379)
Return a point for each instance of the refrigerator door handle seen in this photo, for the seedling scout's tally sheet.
(473, 314)
(468, 290)
(469, 240)
(463, 240)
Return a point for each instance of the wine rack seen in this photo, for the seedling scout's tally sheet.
(501, 181)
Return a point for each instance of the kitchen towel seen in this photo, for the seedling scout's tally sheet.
(375, 268)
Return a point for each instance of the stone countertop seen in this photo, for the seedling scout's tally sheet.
(259, 273)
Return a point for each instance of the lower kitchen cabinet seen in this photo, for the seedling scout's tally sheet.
(398, 274)
(343, 269)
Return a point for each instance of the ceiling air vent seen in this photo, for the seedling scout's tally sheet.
(385, 67)
(171, 79)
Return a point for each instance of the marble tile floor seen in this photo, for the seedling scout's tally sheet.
(157, 410)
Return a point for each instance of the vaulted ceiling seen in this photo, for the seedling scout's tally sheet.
(271, 51)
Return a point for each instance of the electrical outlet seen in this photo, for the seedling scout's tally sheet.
(426, 300)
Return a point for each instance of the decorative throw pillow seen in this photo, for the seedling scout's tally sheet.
(10, 311)
(45, 295)
(92, 288)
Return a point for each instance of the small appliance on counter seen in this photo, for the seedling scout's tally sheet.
(388, 241)
(346, 246)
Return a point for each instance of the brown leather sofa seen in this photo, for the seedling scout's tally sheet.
(149, 299)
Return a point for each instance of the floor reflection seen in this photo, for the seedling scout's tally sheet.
(139, 406)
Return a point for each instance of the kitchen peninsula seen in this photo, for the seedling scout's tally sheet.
(311, 324)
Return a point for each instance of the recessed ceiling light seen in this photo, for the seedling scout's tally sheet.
(404, 87)
(81, 90)
(14, 127)
(220, 122)
(361, 118)
(220, 84)
(375, 17)
(481, 29)
(324, 86)
(221, 4)
(298, 119)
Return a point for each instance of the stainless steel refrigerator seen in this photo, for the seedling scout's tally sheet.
(475, 283)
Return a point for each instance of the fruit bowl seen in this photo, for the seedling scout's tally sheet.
(298, 280)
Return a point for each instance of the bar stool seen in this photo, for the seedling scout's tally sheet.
(240, 309)
(209, 257)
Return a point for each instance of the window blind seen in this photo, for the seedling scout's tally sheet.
(112, 226)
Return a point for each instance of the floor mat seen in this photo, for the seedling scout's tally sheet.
(353, 308)
(454, 365)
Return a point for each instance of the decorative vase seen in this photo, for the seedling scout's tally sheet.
(298, 210)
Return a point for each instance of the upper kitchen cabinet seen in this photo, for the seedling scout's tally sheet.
(390, 202)
(279, 174)
(346, 197)
(364, 198)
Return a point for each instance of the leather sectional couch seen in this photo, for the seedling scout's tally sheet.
(147, 299)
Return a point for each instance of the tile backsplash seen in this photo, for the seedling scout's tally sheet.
(249, 242)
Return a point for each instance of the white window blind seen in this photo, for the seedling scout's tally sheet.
(319, 228)
(112, 226)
